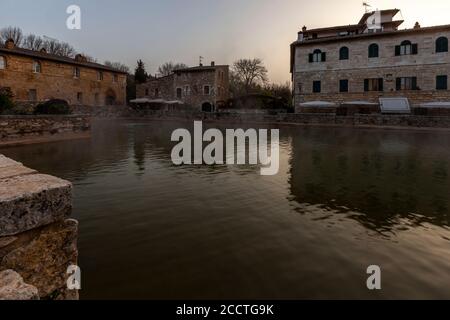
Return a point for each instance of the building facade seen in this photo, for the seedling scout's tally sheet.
(203, 88)
(370, 60)
(35, 76)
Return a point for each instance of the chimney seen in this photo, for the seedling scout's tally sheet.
(43, 50)
(9, 44)
(80, 58)
(304, 29)
(417, 25)
(213, 64)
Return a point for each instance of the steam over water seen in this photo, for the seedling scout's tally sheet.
(344, 199)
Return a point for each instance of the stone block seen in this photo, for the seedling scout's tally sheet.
(12, 287)
(42, 256)
(32, 201)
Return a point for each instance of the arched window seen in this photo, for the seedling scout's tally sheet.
(37, 68)
(442, 44)
(344, 53)
(373, 51)
(317, 55)
(405, 48)
(2, 62)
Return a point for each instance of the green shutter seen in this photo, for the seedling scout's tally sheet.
(380, 84)
(415, 48)
(414, 83)
(399, 84)
(366, 85)
(397, 50)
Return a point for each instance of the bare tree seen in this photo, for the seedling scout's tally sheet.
(168, 67)
(13, 33)
(249, 73)
(118, 66)
(33, 42)
(58, 48)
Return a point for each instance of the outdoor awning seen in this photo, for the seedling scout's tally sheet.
(395, 105)
(318, 104)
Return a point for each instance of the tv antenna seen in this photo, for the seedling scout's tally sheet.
(366, 6)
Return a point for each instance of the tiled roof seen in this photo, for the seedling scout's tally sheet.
(56, 58)
(200, 68)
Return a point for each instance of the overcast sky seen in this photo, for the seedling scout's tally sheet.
(157, 31)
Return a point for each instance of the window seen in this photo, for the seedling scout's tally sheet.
(343, 86)
(187, 90)
(147, 92)
(76, 72)
(80, 97)
(99, 75)
(2, 62)
(179, 93)
(406, 48)
(156, 93)
(317, 87)
(37, 68)
(441, 83)
(115, 78)
(406, 83)
(373, 51)
(32, 95)
(441, 45)
(317, 56)
(344, 53)
(206, 90)
(374, 84)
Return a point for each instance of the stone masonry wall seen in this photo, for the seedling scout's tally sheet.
(192, 85)
(19, 127)
(57, 81)
(356, 120)
(425, 65)
(38, 240)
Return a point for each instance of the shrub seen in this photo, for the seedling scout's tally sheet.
(55, 106)
(6, 102)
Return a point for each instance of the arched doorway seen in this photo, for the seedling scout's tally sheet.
(110, 97)
(207, 107)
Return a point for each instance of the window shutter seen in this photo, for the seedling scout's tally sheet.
(397, 50)
(399, 84)
(324, 56)
(380, 84)
(366, 85)
(415, 48)
(414, 83)
(311, 58)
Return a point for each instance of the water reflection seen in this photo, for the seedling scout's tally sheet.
(386, 177)
(343, 199)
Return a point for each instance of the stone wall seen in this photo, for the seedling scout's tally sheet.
(24, 127)
(57, 81)
(425, 65)
(38, 240)
(191, 82)
(356, 120)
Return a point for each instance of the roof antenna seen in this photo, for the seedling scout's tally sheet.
(366, 6)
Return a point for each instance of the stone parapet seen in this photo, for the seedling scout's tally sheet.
(38, 241)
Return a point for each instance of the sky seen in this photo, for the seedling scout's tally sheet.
(223, 31)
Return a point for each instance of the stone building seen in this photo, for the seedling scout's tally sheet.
(203, 88)
(370, 60)
(35, 76)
